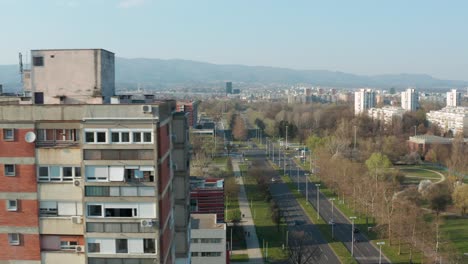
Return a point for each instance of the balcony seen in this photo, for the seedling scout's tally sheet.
(59, 226)
(60, 257)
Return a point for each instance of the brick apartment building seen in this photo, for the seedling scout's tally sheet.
(83, 181)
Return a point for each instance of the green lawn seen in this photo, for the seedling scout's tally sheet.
(240, 258)
(456, 230)
(267, 230)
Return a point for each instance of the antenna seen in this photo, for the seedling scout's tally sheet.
(20, 63)
(30, 137)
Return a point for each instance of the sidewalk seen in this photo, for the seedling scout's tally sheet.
(253, 248)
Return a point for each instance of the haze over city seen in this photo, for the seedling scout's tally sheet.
(360, 37)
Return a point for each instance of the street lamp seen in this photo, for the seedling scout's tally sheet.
(318, 201)
(352, 235)
(380, 244)
(297, 174)
(332, 220)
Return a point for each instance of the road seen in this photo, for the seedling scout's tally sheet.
(364, 251)
(297, 220)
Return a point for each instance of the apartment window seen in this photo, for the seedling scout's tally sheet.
(194, 254)
(12, 205)
(48, 208)
(121, 246)
(97, 191)
(68, 245)
(14, 239)
(8, 134)
(38, 61)
(94, 210)
(211, 240)
(120, 137)
(58, 173)
(121, 212)
(149, 246)
(94, 247)
(194, 240)
(210, 254)
(10, 170)
(96, 136)
(142, 137)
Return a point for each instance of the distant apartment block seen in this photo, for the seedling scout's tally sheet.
(207, 197)
(70, 76)
(410, 100)
(228, 87)
(387, 113)
(208, 240)
(363, 100)
(454, 98)
(450, 119)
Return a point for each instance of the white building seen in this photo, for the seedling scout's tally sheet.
(387, 113)
(453, 98)
(409, 100)
(363, 99)
(208, 243)
(70, 76)
(454, 119)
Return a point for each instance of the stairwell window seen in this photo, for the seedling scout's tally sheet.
(14, 239)
(10, 170)
(12, 205)
(38, 61)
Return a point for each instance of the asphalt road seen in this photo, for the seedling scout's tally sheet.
(364, 251)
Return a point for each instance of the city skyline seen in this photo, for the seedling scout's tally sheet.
(365, 38)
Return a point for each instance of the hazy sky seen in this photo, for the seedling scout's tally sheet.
(363, 37)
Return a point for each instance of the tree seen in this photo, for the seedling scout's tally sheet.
(239, 130)
(460, 198)
(301, 253)
(377, 163)
(438, 197)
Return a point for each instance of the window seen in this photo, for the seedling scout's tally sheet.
(121, 246)
(194, 254)
(62, 208)
(97, 191)
(211, 240)
(58, 173)
(94, 247)
(38, 61)
(120, 137)
(121, 212)
(149, 246)
(12, 205)
(57, 135)
(14, 239)
(210, 254)
(10, 170)
(97, 173)
(8, 134)
(194, 240)
(94, 210)
(96, 136)
(142, 137)
(68, 245)
(48, 208)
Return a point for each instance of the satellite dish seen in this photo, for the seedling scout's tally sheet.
(30, 137)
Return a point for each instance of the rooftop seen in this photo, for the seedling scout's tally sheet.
(430, 139)
(205, 221)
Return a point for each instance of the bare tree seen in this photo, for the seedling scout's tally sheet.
(301, 253)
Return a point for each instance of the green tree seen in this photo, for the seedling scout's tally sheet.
(377, 163)
(460, 198)
(314, 141)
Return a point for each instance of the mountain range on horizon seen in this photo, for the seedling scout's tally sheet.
(159, 74)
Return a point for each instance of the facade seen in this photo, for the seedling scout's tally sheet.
(410, 100)
(228, 87)
(207, 197)
(450, 119)
(423, 143)
(74, 76)
(93, 184)
(208, 240)
(191, 108)
(453, 98)
(363, 100)
(386, 114)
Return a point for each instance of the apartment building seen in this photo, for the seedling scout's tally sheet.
(208, 240)
(410, 100)
(387, 113)
(450, 119)
(453, 98)
(363, 100)
(207, 197)
(191, 108)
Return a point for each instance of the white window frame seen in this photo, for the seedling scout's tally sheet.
(61, 177)
(120, 131)
(68, 245)
(142, 133)
(9, 138)
(11, 207)
(95, 216)
(14, 239)
(134, 207)
(95, 131)
(95, 178)
(5, 170)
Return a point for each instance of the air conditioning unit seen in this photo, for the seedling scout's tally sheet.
(79, 249)
(146, 223)
(76, 219)
(76, 182)
(147, 109)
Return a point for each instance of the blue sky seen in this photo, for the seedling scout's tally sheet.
(355, 36)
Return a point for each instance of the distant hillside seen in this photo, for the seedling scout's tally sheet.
(160, 74)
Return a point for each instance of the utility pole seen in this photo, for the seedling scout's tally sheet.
(352, 235)
(332, 220)
(297, 174)
(318, 200)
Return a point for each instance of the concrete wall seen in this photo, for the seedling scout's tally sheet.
(58, 156)
(209, 247)
(76, 74)
(63, 257)
(59, 226)
(57, 191)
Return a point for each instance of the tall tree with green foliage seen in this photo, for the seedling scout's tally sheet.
(460, 198)
(377, 163)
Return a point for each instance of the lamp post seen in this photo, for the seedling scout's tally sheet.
(297, 174)
(380, 244)
(352, 235)
(273, 150)
(332, 220)
(307, 187)
(318, 200)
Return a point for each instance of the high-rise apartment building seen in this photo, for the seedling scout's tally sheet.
(228, 87)
(93, 183)
(363, 100)
(453, 98)
(409, 100)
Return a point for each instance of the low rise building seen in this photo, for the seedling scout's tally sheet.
(450, 119)
(386, 113)
(208, 240)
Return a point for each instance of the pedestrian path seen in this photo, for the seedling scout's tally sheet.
(251, 240)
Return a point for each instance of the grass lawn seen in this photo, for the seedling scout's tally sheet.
(456, 230)
(266, 229)
(240, 258)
